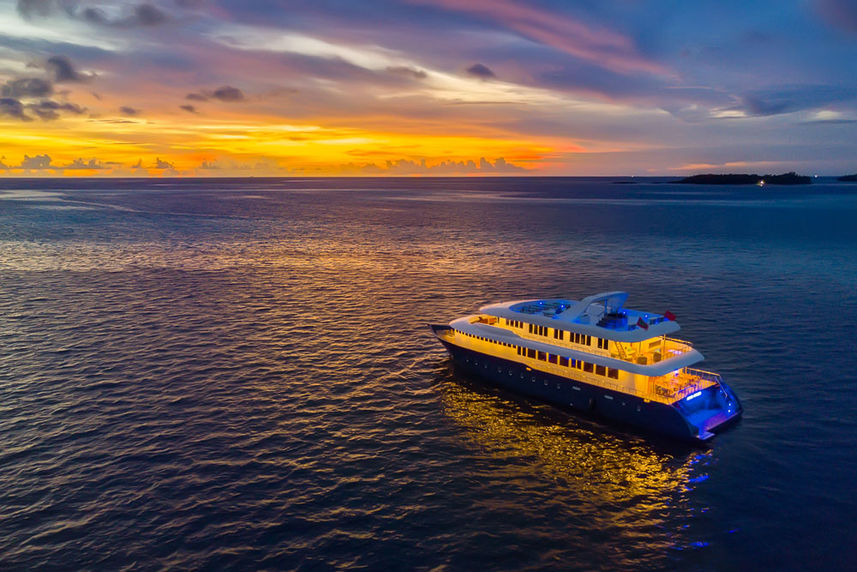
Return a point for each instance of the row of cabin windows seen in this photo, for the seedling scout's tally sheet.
(488, 340)
(558, 334)
(569, 362)
(551, 358)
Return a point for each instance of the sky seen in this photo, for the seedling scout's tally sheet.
(427, 87)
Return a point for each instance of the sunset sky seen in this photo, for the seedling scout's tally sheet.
(427, 87)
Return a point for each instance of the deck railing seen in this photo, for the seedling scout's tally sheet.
(656, 350)
(687, 381)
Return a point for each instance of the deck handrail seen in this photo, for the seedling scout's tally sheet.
(678, 342)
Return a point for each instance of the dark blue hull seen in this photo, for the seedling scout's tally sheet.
(621, 407)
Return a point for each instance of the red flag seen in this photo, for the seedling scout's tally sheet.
(642, 323)
(669, 316)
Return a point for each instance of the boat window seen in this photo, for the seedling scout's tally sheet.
(600, 370)
(587, 367)
(563, 361)
(542, 356)
(552, 358)
(531, 353)
(614, 373)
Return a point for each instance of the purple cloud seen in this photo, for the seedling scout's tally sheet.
(481, 71)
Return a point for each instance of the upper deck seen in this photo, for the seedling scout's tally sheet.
(602, 315)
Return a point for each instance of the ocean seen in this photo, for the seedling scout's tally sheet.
(237, 374)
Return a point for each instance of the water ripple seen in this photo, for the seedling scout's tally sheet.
(248, 382)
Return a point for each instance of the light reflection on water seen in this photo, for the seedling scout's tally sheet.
(193, 376)
(636, 490)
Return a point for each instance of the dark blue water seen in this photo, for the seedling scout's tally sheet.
(237, 375)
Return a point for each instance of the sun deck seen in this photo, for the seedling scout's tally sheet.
(602, 315)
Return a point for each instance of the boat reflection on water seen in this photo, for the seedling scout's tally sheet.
(630, 487)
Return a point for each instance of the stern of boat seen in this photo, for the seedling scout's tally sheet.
(711, 409)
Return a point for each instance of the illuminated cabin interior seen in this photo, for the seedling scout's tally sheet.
(595, 340)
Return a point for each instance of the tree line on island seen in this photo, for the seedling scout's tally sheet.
(790, 178)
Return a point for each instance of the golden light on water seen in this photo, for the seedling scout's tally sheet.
(610, 467)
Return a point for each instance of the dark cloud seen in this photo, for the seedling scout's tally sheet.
(44, 161)
(128, 111)
(95, 16)
(11, 107)
(228, 93)
(481, 71)
(49, 110)
(27, 87)
(189, 4)
(408, 167)
(144, 14)
(162, 164)
(789, 99)
(64, 71)
(196, 97)
(149, 15)
(756, 105)
(37, 162)
(141, 15)
(30, 8)
(80, 163)
(189, 108)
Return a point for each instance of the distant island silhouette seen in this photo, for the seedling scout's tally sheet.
(791, 178)
(848, 178)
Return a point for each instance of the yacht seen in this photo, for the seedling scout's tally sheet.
(595, 355)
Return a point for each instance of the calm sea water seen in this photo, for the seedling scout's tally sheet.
(236, 375)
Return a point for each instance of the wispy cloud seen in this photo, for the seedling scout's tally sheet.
(590, 42)
(539, 82)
